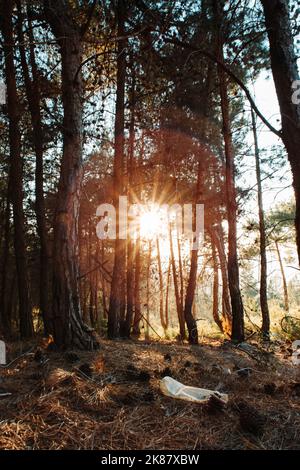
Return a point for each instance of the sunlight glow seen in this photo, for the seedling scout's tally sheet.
(150, 223)
(154, 227)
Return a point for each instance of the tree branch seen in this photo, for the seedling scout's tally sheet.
(86, 25)
(231, 74)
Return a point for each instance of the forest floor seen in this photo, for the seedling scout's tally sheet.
(111, 399)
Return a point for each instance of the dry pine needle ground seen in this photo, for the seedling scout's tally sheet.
(111, 399)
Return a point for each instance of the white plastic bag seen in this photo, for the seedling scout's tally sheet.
(2, 353)
(174, 389)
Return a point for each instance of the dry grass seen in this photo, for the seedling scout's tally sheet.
(59, 405)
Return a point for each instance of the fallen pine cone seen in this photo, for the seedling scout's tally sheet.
(133, 374)
(149, 396)
(251, 420)
(71, 357)
(270, 388)
(187, 364)
(127, 399)
(215, 405)
(245, 372)
(295, 388)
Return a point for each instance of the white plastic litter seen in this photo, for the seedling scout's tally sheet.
(2, 353)
(174, 389)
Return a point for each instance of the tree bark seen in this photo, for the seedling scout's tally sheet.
(147, 332)
(217, 237)
(117, 305)
(5, 319)
(216, 316)
(285, 73)
(163, 320)
(180, 269)
(137, 257)
(262, 234)
(167, 295)
(130, 243)
(189, 299)
(284, 283)
(103, 281)
(233, 265)
(68, 326)
(137, 292)
(179, 309)
(16, 171)
(33, 97)
(191, 286)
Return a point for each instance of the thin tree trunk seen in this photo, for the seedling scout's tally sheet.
(218, 240)
(216, 316)
(96, 300)
(130, 243)
(147, 336)
(33, 98)
(16, 171)
(12, 299)
(167, 295)
(285, 74)
(284, 283)
(176, 288)
(262, 233)
(117, 306)
(191, 286)
(189, 299)
(180, 269)
(69, 329)
(105, 309)
(5, 319)
(161, 288)
(233, 265)
(137, 293)
(137, 260)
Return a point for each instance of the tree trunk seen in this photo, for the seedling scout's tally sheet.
(5, 319)
(167, 295)
(69, 329)
(217, 237)
(233, 265)
(262, 234)
(130, 290)
(12, 299)
(191, 286)
(130, 243)
(176, 288)
(161, 288)
(137, 292)
(33, 98)
(189, 299)
(284, 283)
(137, 260)
(180, 268)
(147, 333)
(117, 307)
(16, 172)
(216, 316)
(104, 302)
(285, 74)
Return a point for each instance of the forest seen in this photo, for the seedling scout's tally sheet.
(149, 224)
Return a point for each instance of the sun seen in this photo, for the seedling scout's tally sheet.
(150, 223)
